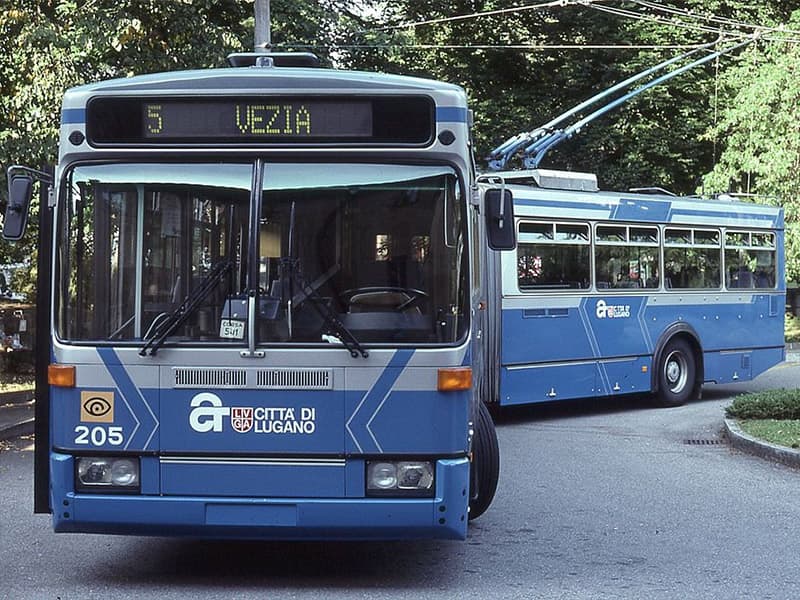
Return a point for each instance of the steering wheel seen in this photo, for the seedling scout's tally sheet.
(413, 295)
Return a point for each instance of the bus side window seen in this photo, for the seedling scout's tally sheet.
(692, 258)
(553, 256)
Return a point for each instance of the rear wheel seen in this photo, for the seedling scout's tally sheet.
(485, 467)
(676, 373)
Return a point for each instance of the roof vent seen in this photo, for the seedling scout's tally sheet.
(276, 59)
(565, 180)
(548, 179)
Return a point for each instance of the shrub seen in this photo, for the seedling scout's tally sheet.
(792, 328)
(772, 404)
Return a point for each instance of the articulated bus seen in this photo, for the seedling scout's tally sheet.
(275, 302)
(620, 293)
(263, 285)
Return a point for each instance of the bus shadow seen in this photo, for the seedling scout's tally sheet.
(546, 411)
(233, 565)
(583, 407)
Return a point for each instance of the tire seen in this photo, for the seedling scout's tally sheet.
(676, 374)
(485, 467)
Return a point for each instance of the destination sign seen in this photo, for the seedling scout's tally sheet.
(274, 118)
(279, 120)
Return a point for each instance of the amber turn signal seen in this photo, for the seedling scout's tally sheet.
(61, 375)
(454, 379)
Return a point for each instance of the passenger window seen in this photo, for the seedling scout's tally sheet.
(553, 256)
(626, 257)
(750, 260)
(692, 259)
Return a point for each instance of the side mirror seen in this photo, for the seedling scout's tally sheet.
(499, 209)
(20, 191)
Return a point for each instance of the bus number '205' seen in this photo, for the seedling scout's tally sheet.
(98, 435)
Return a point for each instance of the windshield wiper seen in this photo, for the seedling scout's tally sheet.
(291, 271)
(308, 292)
(192, 301)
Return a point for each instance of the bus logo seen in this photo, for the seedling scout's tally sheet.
(207, 413)
(242, 419)
(97, 407)
(612, 311)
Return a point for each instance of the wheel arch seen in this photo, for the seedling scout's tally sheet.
(686, 332)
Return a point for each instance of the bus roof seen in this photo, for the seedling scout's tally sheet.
(252, 79)
(534, 201)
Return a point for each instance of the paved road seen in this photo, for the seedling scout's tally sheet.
(596, 500)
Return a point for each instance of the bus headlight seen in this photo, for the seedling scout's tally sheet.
(381, 476)
(400, 478)
(107, 474)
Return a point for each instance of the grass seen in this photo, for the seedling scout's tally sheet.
(773, 415)
(777, 431)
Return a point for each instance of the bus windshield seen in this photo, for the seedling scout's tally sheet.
(369, 252)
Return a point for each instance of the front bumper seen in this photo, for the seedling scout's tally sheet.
(443, 516)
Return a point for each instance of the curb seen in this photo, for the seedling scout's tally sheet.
(20, 397)
(17, 429)
(14, 419)
(747, 443)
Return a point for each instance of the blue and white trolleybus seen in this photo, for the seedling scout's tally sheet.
(263, 287)
(610, 293)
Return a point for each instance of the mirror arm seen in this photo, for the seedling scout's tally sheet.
(37, 174)
(501, 214)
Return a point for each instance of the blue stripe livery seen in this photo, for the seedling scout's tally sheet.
(451, 114)
(144, 433)
(362, 438)
(73, 116)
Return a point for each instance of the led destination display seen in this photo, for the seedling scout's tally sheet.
(265, 120)
(271, 119)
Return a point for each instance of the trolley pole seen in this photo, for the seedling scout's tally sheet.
(263, 39)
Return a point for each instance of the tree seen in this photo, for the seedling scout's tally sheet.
(656, 139)
(47, 46)
(760, 127)
(667, 137)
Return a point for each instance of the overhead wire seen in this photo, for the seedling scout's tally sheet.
(763, 32)
(679, 20)
(629, 14)
(497, 46)
(507, 11)
(711, 18)
(601, 5)
(487, 13)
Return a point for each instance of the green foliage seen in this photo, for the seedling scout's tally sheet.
(17, 380)
(760, 126)
(737, 124)
(656, 139)
(792, 328)
(772, 404)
